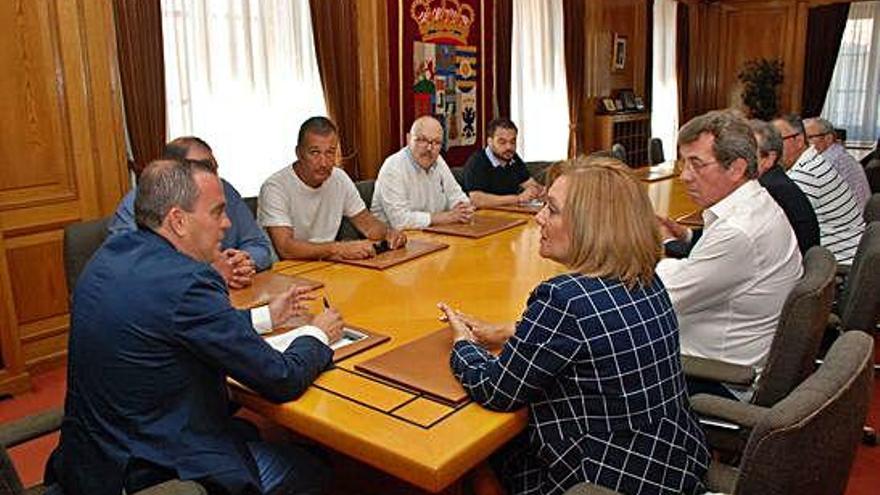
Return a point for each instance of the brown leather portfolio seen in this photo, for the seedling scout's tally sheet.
(692, 219)
(412, 250)
(481, 226)
(267, 285)
(354, 340)
(662, 171)
(421, 365)
(531, 208)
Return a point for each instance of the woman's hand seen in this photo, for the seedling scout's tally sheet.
(466, 327)
(460, 329)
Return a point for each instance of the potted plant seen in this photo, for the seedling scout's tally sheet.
(761, 79)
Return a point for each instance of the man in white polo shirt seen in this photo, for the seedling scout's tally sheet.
(302, 205)
(840, 218)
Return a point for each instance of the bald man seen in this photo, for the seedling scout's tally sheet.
(415, 188)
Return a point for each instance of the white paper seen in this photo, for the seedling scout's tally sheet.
(281, 342)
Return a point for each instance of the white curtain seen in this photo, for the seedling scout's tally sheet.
(242, 75)
(854, 94)
(664, 94)
(538, 96)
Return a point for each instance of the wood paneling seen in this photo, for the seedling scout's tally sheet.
(61, 161)
(725, 34)
(375, 119)
(602, 19)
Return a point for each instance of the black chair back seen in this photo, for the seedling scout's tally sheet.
(81, 240)
(655, 151)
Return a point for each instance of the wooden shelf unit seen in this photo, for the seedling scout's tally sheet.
(632, 130)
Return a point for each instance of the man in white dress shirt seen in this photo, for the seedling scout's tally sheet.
(302, 205)
(415, 188)
(728, 293)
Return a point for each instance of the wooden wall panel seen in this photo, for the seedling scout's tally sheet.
(61, 162)
(725, 34)
(374, 105)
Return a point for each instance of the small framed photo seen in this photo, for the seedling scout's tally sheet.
(628, 97)
(618, 55)
(640, 103)
(608, 105)
(619, 104)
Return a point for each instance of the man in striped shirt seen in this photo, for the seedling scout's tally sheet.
(840, 218)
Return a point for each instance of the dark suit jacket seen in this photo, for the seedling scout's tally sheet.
(794, 204)
(152, 341)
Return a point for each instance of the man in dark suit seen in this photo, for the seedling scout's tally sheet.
(153, 339)
(788, 195)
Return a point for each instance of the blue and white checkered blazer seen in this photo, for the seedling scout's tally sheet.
(599, 366)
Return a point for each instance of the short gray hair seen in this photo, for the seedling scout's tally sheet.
(795, 122)
(770, 139)
(733, 138)
(825, 126)
(163, 185)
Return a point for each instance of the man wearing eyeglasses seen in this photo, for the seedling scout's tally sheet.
(302, 205)
(415, 188)
(840, 218)
(820, 133)
(728, 293)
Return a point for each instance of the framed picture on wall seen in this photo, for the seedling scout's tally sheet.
(608, 105)
(618, 55)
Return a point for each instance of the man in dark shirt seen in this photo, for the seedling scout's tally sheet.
(496, 175)
(788, 195)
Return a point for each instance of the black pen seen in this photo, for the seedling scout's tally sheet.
(326, 302)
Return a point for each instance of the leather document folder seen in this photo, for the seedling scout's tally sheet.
(421, 365)
(665, 170)
(413, 249)
(354, 341)
(692, 219)
(266, 285)
(531, 208)
(481, 226)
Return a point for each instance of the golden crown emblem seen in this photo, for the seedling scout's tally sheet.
(448, 22)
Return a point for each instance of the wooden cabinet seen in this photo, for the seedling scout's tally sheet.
(632, 130)
(62, 159)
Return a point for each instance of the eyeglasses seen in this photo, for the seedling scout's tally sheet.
(814, 136)
(427, 143)
(696, 164)
(793, 135)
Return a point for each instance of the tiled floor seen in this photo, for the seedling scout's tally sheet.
(49, 392)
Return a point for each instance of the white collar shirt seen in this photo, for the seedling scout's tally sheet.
(728, 293)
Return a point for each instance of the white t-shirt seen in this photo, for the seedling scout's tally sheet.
(314, 213)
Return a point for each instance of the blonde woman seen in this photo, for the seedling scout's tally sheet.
(595, 355)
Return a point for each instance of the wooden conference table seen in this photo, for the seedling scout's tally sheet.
(426, 443)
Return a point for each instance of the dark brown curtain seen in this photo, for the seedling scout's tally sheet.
(142, 75)
(825, 27)
(573, 34)
(503, 41)
(333, 24)
(682, 44)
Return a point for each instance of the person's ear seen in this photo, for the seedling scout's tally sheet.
(177, 221)
(738, 168)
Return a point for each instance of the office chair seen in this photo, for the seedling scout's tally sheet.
(619, 152)
(655, 151)
(252, 203)
(81, 240)
(791, 359)
(806, 442)
(347, 230)
(872, 209)
(17, 432)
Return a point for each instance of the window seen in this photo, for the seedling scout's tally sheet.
(853, 96)
(538, 95)
(243, 76)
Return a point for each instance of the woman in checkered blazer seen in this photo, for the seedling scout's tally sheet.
(595, 356)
